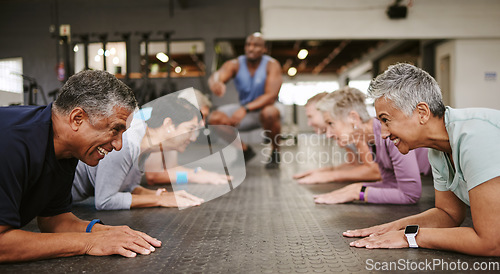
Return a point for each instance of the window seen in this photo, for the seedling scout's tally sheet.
(298, 93)
(362, 85)
(11, 81)
(11, 71)
(185, 58)
(115, 56)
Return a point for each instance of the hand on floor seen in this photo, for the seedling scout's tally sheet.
(315, 177)
(302, 174)
(208, 177)
(344, 195)
(372, 231)
(391, 239)
(120, 240)
(179, 199)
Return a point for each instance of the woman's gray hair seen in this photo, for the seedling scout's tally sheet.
(342, 101)
(406, 86)
(97, 92)
(316, 98)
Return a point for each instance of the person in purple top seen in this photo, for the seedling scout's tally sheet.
(351, 170)
(348, 122)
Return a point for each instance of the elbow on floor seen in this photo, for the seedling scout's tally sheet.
(490, 248)
(103, 205)
(7, 257)
(411, 199)
(153, 178)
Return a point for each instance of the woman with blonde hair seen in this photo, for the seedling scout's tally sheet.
(350, 170)
(348, 122)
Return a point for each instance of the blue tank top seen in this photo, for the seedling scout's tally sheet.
(249, 88)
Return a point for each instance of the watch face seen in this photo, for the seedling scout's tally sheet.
(411, 229)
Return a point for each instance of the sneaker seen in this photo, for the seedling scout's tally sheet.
(274, 160)
(248, 154)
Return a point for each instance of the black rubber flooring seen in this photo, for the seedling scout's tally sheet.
(269, 224)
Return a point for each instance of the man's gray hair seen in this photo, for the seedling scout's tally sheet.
(97, 92)
(406, 86)
(342, 101)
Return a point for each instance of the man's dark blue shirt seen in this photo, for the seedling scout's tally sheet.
(32, 181)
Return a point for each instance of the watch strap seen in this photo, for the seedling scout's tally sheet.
(362, 193)
(412, 242)
(91, 225)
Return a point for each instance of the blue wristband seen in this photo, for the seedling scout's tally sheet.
(91, 224)
(181, 177)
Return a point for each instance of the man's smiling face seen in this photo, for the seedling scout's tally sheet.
(96, 140)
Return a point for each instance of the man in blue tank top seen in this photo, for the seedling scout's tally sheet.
(258, 79)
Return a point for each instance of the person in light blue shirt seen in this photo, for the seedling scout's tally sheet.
(474, 128)
(465, 158)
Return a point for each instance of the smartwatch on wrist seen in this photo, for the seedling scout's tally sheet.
(362, 193)
(411, 232)
(246, 108)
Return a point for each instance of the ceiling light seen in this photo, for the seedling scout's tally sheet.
(302, 54)
(178, 69)
(162, 57)
(292, 71)
(97, 58)
(116, 60)
(100, 52)
(75, 49)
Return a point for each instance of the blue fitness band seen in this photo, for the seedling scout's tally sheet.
(182, 177)
(91, 224)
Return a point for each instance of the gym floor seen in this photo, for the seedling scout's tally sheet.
(268, 224)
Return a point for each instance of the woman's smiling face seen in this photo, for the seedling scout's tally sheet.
(399, 128)
(315, 119)
(338, 129)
